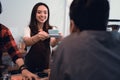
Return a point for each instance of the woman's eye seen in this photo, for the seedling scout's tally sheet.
(45, 12)
(39, 12)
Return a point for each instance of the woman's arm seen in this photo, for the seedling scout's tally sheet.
(42, 35)
(27, 74)
(31, 40)
(53, 41)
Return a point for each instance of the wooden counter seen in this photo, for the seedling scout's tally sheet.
(20, 77)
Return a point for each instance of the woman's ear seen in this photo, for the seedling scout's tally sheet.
(72, 26)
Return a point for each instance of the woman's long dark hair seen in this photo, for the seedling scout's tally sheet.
(33, 21)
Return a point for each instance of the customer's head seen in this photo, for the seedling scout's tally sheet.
(0, 8)
(90, 14)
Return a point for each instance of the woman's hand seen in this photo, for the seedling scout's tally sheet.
(55, 40)
(27, 75)
(43, 35)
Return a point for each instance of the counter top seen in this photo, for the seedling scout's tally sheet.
(20, 77)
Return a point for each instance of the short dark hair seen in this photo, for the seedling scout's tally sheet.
(90, 14)
(0, 8)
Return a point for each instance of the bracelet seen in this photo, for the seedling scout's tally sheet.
(22, 67)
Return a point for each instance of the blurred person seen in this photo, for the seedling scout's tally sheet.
(8, 44)
(38, 40)
(89, 52)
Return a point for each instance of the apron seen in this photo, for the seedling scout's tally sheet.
(37, 59)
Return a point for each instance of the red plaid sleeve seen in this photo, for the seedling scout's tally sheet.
(10, 44)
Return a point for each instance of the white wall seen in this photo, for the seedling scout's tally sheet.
(114, 9)
(16, 14)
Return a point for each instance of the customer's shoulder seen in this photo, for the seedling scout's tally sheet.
(71, 39)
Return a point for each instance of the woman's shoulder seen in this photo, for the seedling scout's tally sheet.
(27, 28)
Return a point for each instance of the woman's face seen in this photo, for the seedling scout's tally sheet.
(42, 14)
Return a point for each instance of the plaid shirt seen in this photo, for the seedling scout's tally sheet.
(7, 43)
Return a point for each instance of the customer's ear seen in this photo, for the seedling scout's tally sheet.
(72, 26)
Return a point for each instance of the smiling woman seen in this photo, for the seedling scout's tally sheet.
(38, 40)
(36, 37)
(16, 17)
